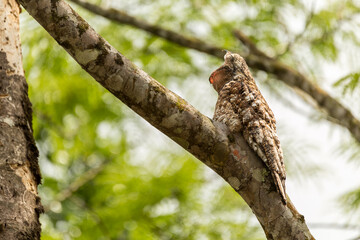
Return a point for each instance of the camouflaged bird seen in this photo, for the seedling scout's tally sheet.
(244, 110)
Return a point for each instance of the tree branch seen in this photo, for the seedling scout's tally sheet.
(122, 17)
(256, 60)
(209, 141)
(334, 109)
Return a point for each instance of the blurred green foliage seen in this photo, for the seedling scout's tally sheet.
(349, 83)
(146, 187)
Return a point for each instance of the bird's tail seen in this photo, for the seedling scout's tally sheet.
(280, 186)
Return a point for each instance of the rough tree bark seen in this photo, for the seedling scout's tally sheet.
(19, 171)
(209, 141)
(256, 59)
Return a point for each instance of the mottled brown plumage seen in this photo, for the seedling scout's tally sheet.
(244, 110)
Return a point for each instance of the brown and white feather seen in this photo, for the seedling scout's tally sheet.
(244, 110)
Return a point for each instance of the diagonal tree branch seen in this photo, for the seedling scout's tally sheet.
(337, 113)
(256, 60)
(209, 141)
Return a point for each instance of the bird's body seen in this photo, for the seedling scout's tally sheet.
(244, 110)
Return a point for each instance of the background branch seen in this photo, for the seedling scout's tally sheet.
(256, 59)
(122, 17)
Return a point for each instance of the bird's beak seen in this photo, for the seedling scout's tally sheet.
(211, 78)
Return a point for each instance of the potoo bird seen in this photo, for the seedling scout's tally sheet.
(244, 110)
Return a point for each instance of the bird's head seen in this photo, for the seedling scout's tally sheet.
(220, 77)
(234, 65)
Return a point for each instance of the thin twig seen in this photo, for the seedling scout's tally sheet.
(77, 184)
(299, 35)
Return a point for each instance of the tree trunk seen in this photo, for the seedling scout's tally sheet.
(19, 171)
